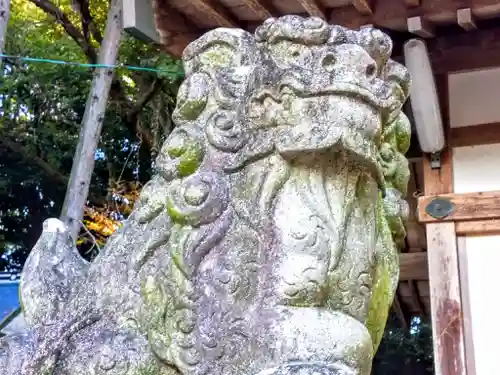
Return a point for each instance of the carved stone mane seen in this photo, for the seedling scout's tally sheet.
(267, 242)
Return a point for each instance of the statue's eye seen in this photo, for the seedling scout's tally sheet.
(297, 53)
(294, 51)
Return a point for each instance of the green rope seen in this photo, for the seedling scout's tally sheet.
(84, 65)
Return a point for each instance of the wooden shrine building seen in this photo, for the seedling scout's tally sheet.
(448, 270)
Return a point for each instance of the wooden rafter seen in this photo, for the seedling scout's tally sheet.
(415, 297)
(387, 14)
(262, 9)
(313, 8)
(412, 3)
(177, 21)
(465, 19)
(419, 26)
(216, 12)
(181, 31)
(399, 310)
(363, 6)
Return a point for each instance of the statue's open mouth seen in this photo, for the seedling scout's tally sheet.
(328, 118)
(350, 89)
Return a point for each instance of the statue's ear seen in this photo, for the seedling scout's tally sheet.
(221, 48)
(399, 78)
(217, 52)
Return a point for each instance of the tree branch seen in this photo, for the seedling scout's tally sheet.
(30, 158)
(50, 8)
(145, 98)
(82, 39)
(132, 117)
(88, 23)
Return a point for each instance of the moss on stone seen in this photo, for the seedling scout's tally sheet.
(190, 159)
(403, 133)
(378, 308)
(176, 151)
(218, 56)
(180, 235)
(385, 280)
(176, 215)
(151, 292)
(191, 109)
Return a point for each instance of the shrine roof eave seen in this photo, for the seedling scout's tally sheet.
(172, 24)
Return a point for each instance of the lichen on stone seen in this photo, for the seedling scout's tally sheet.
(268, 236)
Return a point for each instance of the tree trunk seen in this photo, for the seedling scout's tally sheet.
(4, 20)
(83, 162)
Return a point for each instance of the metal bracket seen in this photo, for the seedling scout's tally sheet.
(435, 160)
(439, 208)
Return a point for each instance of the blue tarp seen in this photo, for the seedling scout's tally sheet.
(9, 298)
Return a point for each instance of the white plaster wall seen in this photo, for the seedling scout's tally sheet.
(475, 169)
(474, 97)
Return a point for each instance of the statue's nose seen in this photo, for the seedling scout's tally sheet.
(331, 63)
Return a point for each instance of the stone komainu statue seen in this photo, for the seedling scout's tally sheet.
(267, 242)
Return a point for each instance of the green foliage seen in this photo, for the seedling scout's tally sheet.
(405, 351)
(34, 33)
(41, 109)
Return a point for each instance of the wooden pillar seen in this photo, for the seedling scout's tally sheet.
(444, 281)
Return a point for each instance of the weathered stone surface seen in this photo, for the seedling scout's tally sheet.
(266, 244)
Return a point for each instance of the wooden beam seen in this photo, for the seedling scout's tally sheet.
(435, 178)
(412, 3)
(261, 9)
(415, 297)
(180, 32)
(394, 14)
(398, 309)
(219, 15)
(446, 302)
(363, 6)
(470, 359)
(444, 284)
(478, 228)
(415, 232)
(413, 266)
(449, 51)
(313, 8)
(483, 134)
(465, 19)
(467, 206)
(419, 26)
(466, 51)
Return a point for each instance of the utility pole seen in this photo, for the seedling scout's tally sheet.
(84, 160)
